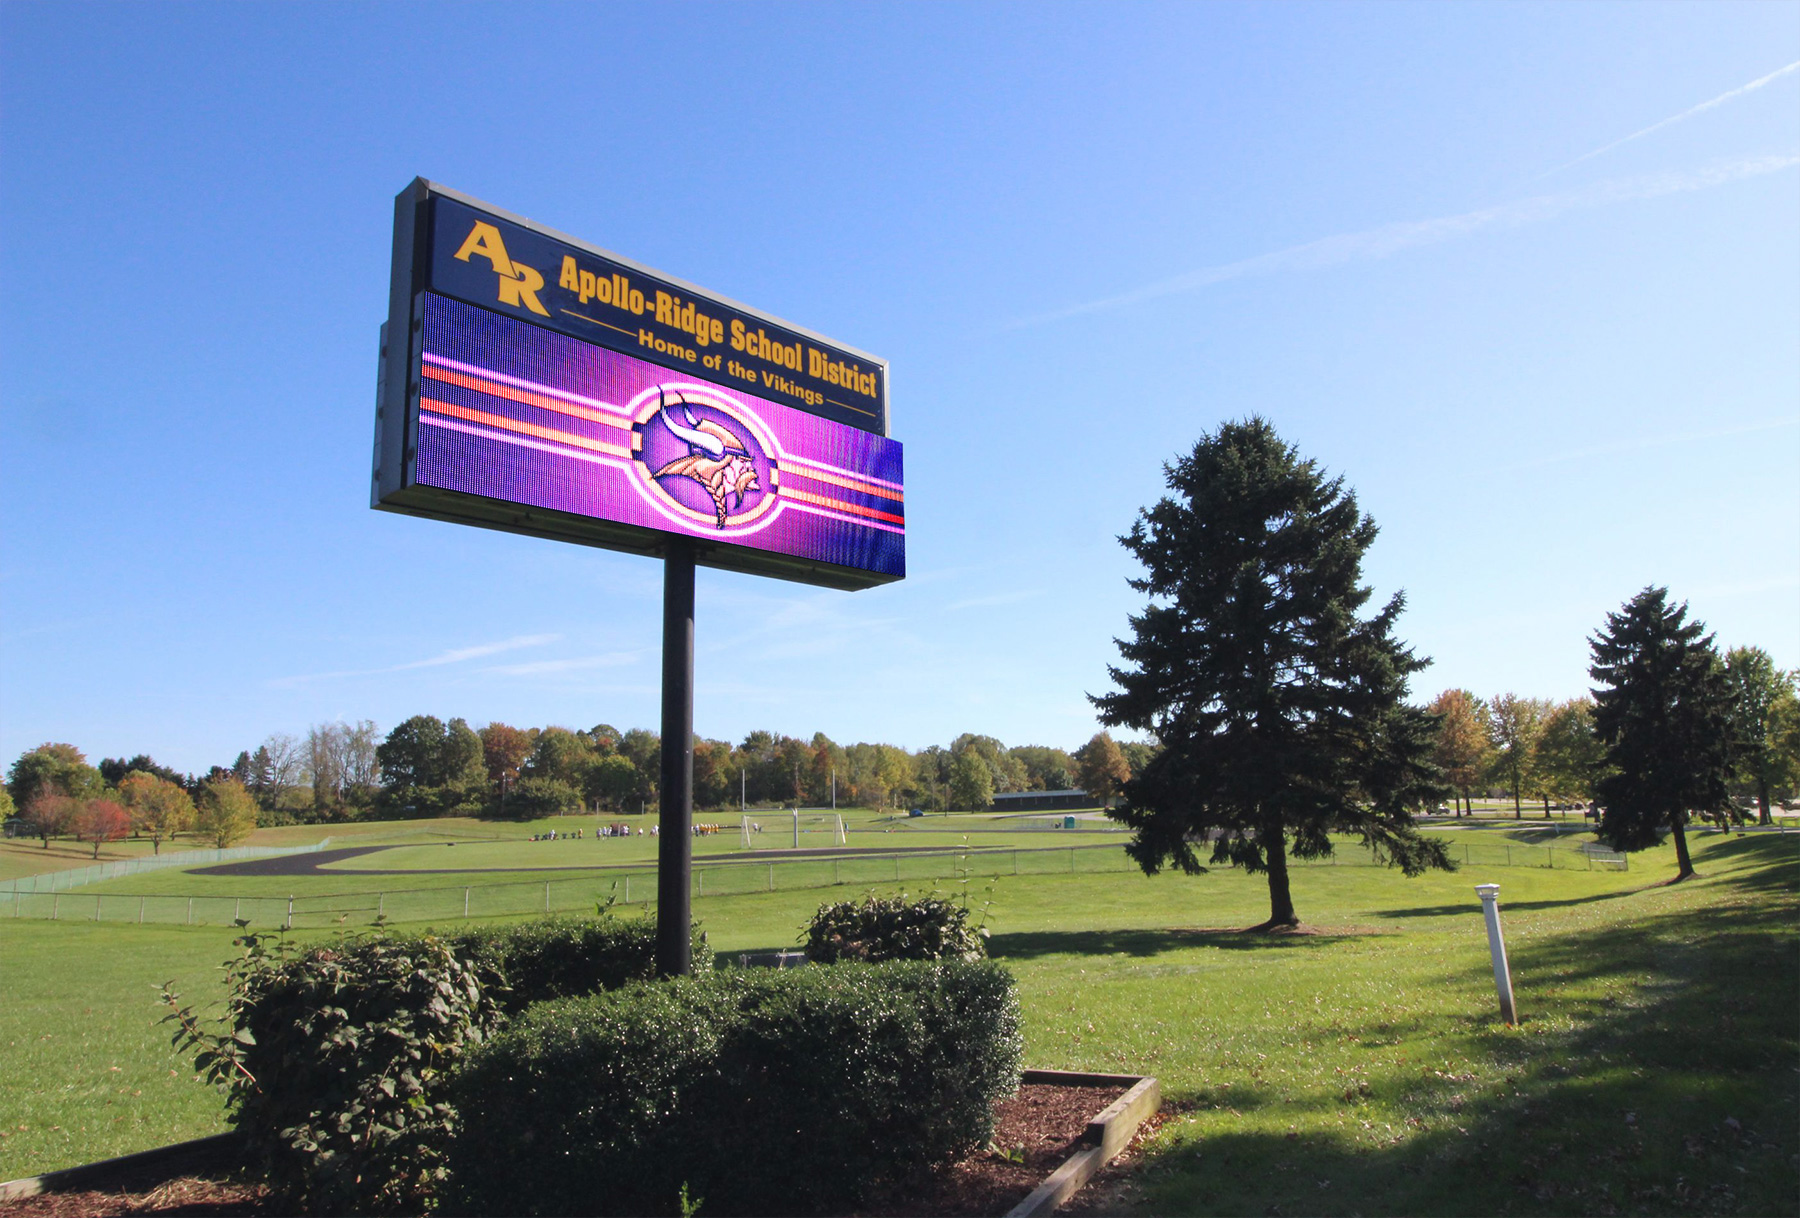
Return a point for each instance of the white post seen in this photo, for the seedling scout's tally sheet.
(796, 828)
(834, 788)
(743, 807)
(1490, 909)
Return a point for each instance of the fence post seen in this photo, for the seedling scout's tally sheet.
(1015, 860)
(627, 890)
(55, 900)
(237, 910)
(290, 914)
(547, 895)
(700, 881)
(96, 907)
(140, 911)
(465, 902)
(190, 912)
(896, 869)
(381, 905)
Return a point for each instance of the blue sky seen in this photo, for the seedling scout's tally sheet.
(1527, 276)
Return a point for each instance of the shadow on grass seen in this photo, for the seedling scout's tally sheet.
(1142, 943)
(1655, 1073)
(1464, 908)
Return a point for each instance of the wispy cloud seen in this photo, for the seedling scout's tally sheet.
(1642, 442)
(456, 655)
(534, 668)
(1377, 243)
(1690, 112)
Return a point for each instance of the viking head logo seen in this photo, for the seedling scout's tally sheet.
(716, 459)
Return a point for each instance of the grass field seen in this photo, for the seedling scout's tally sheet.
(1360, 1069)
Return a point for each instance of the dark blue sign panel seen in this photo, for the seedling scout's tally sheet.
(487, 261)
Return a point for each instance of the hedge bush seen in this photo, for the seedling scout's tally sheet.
(893, 928)
(334, 1060)
(335, 1057)
(785, 1091)
(566, 956)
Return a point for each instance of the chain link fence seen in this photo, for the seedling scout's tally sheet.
(76, 877)
(564, 893)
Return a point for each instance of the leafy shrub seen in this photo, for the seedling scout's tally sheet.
(893, 928)
(563, 957)
(763, 1092)
(335, 1058)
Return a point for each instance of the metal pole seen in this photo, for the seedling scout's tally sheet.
(674, 849)
(465, 902)
(1490, 909)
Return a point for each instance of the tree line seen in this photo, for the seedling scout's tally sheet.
(429, 767)
(1550, 752)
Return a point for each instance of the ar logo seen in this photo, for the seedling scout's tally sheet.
(519, 284)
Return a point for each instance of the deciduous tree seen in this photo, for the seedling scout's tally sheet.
(100, 821)
(159, 809)
(1282, 712)
(504, 749)
(1104, 770)
(1462, 749)
(60, 769)
(1570, 757)
(1756, 689)
(1516, 723)
(611, 780)
(50, 814)
(971, 782)
(227, 813)
(1662, 709)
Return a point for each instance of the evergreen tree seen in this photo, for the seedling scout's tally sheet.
(1282, 714)
(1662, 709)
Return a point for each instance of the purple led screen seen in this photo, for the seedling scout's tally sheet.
(513, 412)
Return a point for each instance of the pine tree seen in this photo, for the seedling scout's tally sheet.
(1662, 709)
(1282, 714)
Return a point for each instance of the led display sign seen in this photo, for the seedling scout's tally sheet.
(535, 384)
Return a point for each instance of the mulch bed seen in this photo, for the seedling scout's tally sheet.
(1038, 1127)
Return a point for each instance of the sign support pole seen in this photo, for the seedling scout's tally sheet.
(674, 851)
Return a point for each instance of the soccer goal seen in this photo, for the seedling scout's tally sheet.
(794, 830)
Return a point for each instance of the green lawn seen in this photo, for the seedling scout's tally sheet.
(1360, 1069)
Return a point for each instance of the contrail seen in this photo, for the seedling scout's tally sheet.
(1720, 100)
(1389, 239)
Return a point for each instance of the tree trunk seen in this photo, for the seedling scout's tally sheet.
(1281, 899)
(1546, 807)
(1518, 805)
(1762, 804)
(1684, 864)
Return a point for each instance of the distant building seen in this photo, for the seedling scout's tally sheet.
(1043, 801)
